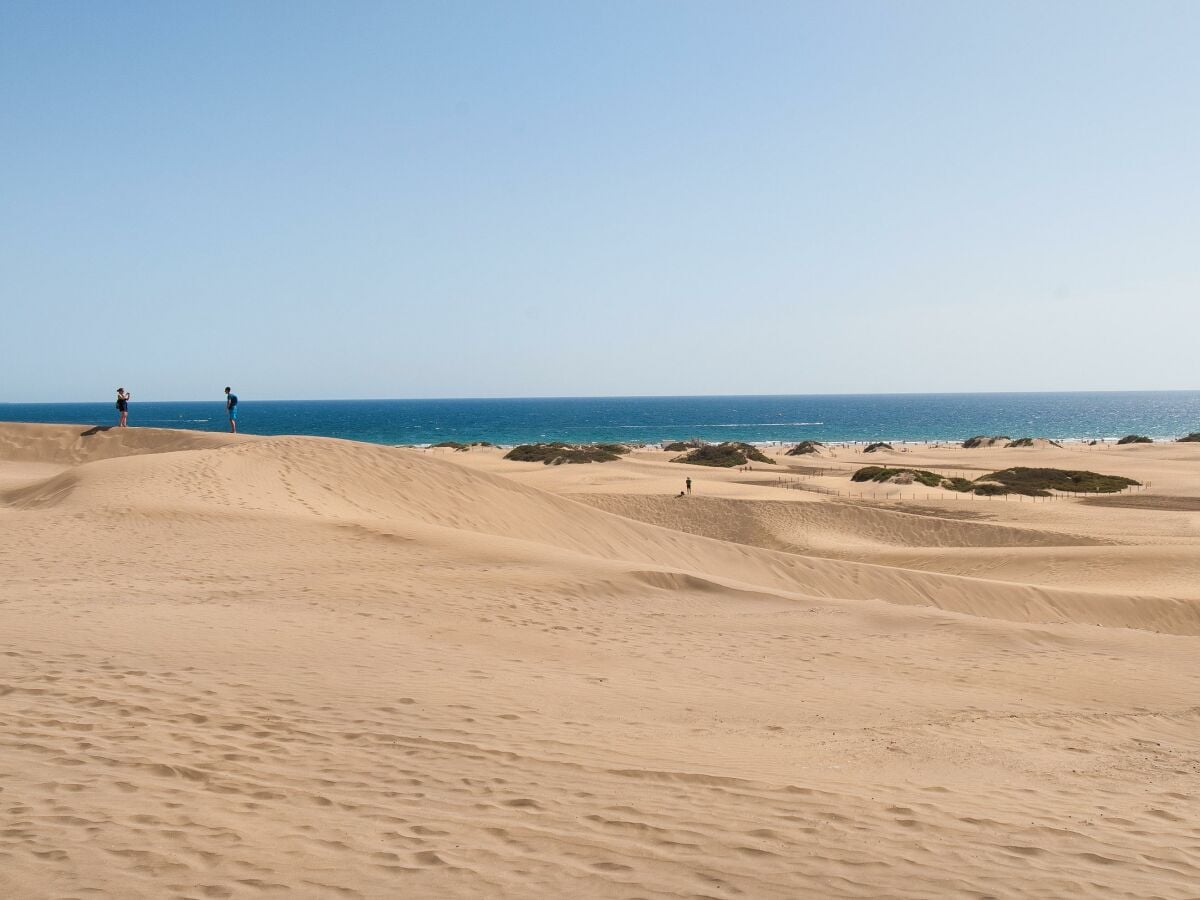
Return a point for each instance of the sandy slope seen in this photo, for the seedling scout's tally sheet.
(236, 667)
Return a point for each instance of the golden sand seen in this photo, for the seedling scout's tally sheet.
(301, 667)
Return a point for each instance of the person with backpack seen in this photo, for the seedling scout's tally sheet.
(123, 406)
(231, 408)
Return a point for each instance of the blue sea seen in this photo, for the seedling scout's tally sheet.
(759, 419)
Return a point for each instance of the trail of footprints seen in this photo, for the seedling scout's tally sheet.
(426, 802)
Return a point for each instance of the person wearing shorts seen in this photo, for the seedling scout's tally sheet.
(123, 406)
(231, 408)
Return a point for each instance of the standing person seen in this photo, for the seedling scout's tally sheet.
(689, 484)
(123, 406)
(231, 408)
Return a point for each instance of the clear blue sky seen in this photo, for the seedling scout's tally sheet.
(310, 200)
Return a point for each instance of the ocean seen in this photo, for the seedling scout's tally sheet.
(758, 419)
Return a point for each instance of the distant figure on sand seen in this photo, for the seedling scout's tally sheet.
(231, 407)
(689, 485)
(123, 406)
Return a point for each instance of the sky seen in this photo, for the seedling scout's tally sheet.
(318, 200)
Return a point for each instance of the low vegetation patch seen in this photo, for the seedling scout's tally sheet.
(878, 445)
(681, 446)
(900, 476)
(804, 448)
(725, 455)
(982, 440)
(1193, 438)
(455, 445)
(1018, 480)
(556, 453)
(1135, 439)
(1039, 482)
(1032, 442)
(990, 489)
(963, 485)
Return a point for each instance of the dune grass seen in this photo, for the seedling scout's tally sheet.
(1135, 439)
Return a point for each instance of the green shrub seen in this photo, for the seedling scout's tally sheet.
(962, 485)
(1193, 438)
(988, 489)
(882, 474)
(454, 444)
(1135, 439)
(1031, 442)
(879, 445)
(1018, 480)
(681, 446)
(556, 453)
(981, 440)
(725, 455)
(1039, 482)
(874, 473)
(804, 447)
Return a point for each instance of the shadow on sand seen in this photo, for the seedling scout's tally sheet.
(95, 429)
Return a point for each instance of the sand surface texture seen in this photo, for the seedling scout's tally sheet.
(300, 667)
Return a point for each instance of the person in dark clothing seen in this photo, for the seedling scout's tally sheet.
(231, 408)
(123, 406)
(689, 485)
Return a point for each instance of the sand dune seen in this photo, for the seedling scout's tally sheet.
(238, 666)
(70, 445)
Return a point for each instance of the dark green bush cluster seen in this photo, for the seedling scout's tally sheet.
(1028, 442)
(981, 439)
(556, 453)
(681, 446)
(989, 489)
(1039, 482)
(878, 445)
(454, 444)
(1019, 480)
(1193, 438)
(725, 455)
(1135, 439)
(881, 474)
(804, 447)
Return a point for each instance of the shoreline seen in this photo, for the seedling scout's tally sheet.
(924, 443)
(762, 420)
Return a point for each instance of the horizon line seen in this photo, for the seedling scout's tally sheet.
(466, 399)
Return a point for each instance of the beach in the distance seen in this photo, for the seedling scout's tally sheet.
(242, 665)
(764, 418)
